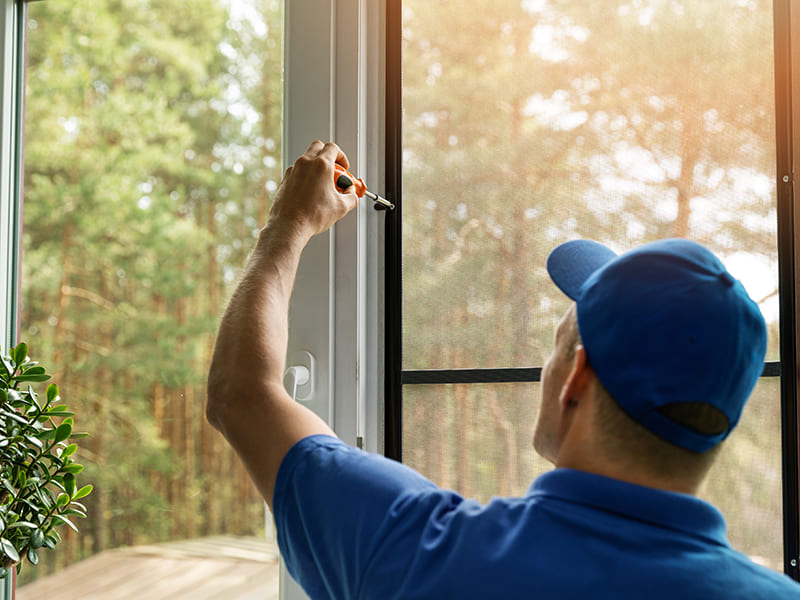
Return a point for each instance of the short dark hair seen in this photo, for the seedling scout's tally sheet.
(625, 438)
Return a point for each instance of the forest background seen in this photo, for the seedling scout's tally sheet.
(152, 147)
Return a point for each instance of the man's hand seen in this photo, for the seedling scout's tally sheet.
(307, 201)
(247, 402)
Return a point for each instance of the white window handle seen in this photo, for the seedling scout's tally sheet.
(298, 379)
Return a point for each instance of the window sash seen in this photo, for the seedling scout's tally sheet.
(333, 90)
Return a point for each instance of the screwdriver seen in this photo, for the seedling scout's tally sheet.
(344, 179)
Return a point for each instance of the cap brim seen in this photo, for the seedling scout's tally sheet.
(572, 263)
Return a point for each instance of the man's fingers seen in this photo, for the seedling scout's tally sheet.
(314, 149)
(332, 152)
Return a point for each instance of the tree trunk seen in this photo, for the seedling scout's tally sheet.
(690, 152)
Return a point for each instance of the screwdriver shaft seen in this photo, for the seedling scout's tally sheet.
(380, 200)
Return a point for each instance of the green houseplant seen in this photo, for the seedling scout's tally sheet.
(38, 491)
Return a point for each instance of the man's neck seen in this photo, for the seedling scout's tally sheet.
(588, 455)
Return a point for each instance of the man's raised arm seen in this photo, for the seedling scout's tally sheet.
(247, 402)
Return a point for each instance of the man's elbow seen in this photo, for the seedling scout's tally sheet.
(229, 402)
(215, 402)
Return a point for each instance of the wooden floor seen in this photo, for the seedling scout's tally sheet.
(226, 568)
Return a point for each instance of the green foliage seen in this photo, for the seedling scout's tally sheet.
(38, 491)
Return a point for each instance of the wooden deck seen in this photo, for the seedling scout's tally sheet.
(229, 568)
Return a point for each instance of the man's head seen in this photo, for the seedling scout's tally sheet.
(667, 331)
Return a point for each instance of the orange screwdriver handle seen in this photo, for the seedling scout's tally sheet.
(344, 179)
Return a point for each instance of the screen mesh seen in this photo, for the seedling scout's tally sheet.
(530, 123)
(527, 124)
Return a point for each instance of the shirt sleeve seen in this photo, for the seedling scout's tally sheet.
(336, 508)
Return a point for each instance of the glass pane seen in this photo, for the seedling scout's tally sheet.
(476, 439)
(528, 123)
(152, 147)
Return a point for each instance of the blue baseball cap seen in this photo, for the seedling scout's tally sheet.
(663, 324)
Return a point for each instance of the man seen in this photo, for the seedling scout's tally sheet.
(652, 366)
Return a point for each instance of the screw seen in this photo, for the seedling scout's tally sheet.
(793, 562)
(785, 179)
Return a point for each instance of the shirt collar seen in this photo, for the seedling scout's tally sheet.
(673, 510)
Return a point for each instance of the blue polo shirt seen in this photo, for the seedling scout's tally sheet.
(356, 525)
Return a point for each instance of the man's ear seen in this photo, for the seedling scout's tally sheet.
(578, 381)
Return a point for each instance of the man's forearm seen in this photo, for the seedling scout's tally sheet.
(251, 344)
(246, 399)
(247, 402)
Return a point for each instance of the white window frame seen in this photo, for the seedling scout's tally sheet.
(11, 89)
(334, 90)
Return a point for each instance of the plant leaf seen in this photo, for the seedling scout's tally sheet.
(66, 521)
(19, 354)
(52, 393)
(33, 557)
(14, 416)
(69, 484)
(83, 492)
(35, 441)
(33, 482)
(14, 396)
(7, 484)
(69, 450)
(34, 369)
(8, 366)
(45, 497)
(9, 550)
(37, 538)
(63, 432)
(25, 524)
(32, 378)
(59, 413)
